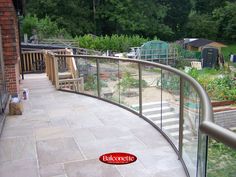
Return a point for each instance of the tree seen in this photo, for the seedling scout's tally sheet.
(74, 15)
(226, 19)
(167, 19)
(177, 15)
(202, 26)
(134, 17)
(44, 27)
(206, 7)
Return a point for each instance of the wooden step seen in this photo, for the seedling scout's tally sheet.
(65, 75)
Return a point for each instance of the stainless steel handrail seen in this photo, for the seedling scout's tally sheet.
(207, 125)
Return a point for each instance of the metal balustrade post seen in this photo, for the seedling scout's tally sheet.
(119, 79)
(161, 96)
(140, 88)
(98, 79)
(199, 144)
(206, 155)
(181, 117)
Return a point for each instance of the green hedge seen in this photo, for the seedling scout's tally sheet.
(116, 43)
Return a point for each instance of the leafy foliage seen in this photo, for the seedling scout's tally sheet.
(222, 88)
(169, 83)
(221, 160)
(177, 15)
(218, 84)
(226, 19)
(206, 7)
(128, 82)
(169, 20)
(135, 17)
(202, 25)
(119, 43)
(91, 83)
(73, 15)
(44, 27)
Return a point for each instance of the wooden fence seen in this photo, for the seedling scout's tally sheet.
(44, 61)
(32, 62)
(52, 68)
(76, 85)
(71, 65)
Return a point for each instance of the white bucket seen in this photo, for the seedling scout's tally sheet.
(25, 94)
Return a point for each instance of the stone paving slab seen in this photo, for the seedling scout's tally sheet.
(17, 148)
(63, 135)
(59, 150)
(105, 132)
(52, 170)
(149, 138)
(19, 131)
(83, 135)
(19, 168)
(91, 168)
(136, 169)
(52, 133)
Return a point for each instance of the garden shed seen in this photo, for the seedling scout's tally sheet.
(199, 44)
(210, 56)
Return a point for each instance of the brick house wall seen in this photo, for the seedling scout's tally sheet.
(10, 40)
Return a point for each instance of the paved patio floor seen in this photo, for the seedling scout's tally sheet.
(63, 135)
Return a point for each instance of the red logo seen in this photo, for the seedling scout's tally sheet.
(118, 158)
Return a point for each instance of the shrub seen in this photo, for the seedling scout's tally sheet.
(218, 84)
(128, 82)
(45, 28)
(91, 83)
(116, 43)
(222, 88)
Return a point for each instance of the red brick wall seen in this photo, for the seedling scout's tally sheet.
(10, 40)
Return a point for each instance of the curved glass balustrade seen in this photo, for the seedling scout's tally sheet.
(170, 100)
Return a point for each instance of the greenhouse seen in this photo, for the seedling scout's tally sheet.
(158, 51)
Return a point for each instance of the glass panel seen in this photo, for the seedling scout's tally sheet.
(221, 160)
(109, 80)
(151, 93)
(129, 84)
(202, 153)
(88, 71)
(202, 149)
(170, 105)
(190, 128)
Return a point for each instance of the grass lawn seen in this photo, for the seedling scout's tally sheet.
(221, 160)
(226, 51)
